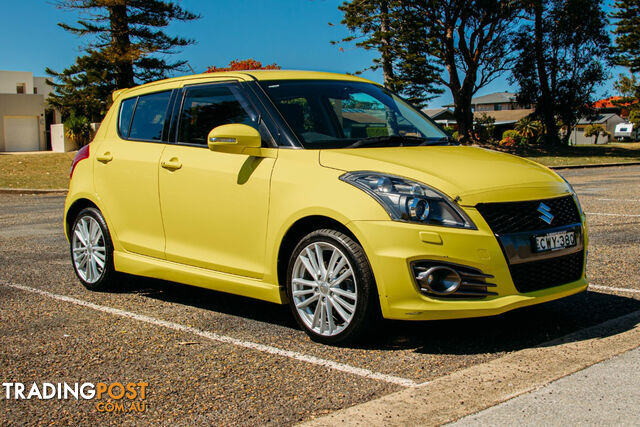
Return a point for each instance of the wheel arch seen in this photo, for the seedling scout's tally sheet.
(296, 231)
(73, 211)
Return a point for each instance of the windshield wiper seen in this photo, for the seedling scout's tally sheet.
(396, 140)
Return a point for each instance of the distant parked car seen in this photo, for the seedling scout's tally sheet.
(324, 191)
(626, 132)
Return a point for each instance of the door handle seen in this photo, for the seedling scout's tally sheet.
(105, 158)
(172, 165)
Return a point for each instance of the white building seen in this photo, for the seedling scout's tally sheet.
(22, 111)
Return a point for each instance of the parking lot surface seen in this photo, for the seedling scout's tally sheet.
(215, 358)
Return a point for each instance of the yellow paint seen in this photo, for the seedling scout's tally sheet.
(217, 219)
(431, 237)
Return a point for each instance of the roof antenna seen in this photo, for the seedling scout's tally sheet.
(192, 70)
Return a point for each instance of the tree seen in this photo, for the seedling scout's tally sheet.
(467, 38)
(485, 127)
(627, 54)
(596, 130)
(561, 60)
(84, 89)
(470, 39)
(629, 90)
(528, 129)
(386, 26)
(627, 34)
(245, 64)
(127, 46)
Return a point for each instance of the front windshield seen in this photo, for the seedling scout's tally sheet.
(344, 114)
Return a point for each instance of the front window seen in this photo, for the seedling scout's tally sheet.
(343, 114)
(206, 107)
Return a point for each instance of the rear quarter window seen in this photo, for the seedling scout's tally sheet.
(124, 117)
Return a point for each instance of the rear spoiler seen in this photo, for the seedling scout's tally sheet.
(116, 93)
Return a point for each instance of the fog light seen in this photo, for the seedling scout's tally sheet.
(439, 280)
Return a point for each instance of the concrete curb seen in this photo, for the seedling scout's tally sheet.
(600, 165)
(33, 191)
(471, 390)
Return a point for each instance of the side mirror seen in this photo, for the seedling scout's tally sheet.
(234, 137)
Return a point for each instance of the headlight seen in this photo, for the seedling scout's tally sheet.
(411, 201)
(573, 193)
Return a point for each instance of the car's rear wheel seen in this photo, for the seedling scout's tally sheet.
(92, 251)
(331, 287)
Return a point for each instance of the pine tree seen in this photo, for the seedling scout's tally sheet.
(127, 46)
(385, 26)
(627, 34)
(626, 52)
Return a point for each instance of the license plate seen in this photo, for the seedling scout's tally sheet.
(555, 241)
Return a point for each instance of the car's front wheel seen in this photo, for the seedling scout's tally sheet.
(92, 250)
(331, 287)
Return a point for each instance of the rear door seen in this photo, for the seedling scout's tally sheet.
(126, 173)
(215, 205)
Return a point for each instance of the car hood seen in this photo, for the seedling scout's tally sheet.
(469, 174)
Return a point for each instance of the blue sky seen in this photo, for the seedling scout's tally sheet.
(293, 33)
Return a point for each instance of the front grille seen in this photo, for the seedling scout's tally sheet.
(537, 275)
(516, 217)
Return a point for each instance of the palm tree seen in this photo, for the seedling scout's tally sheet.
(528, 128)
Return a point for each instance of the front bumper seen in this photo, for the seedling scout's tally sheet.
(391, 247)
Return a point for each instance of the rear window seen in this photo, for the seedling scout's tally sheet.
(143, 117)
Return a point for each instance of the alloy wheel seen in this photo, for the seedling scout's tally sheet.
(89, 252)
(324, 288)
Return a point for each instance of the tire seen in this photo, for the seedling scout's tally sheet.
(339, 302)
(86, 256)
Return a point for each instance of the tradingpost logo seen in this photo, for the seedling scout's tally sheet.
(113, 397)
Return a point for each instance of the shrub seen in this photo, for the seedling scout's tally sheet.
(511, 133)
(449, 130)
(78, 130)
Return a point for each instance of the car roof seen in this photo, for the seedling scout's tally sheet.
(268, 75)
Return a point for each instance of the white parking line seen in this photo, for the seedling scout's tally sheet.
(611, 214)
(366, 373)
(619, 200)
(612, 289)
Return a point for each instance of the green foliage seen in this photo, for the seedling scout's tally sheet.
(373, 131)
(449, 130)
(455, 136)
(626, 13)
(510, 133)
(385, 26)
(629, 90)
(484, 127)
(78, 130)
(528, 129)
(84, 89)
(561, 59)
(126, 46)
(419, 40)
(596, 130)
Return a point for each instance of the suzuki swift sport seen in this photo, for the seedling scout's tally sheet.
(320, 190)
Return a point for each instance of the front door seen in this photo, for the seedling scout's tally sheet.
(214, 205)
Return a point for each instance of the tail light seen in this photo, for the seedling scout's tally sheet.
(82, 154)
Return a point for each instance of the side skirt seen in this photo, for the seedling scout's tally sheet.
(141, 265)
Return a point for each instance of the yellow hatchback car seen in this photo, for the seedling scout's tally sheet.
(320, 190)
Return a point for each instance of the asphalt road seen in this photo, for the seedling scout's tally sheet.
(215, 358)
